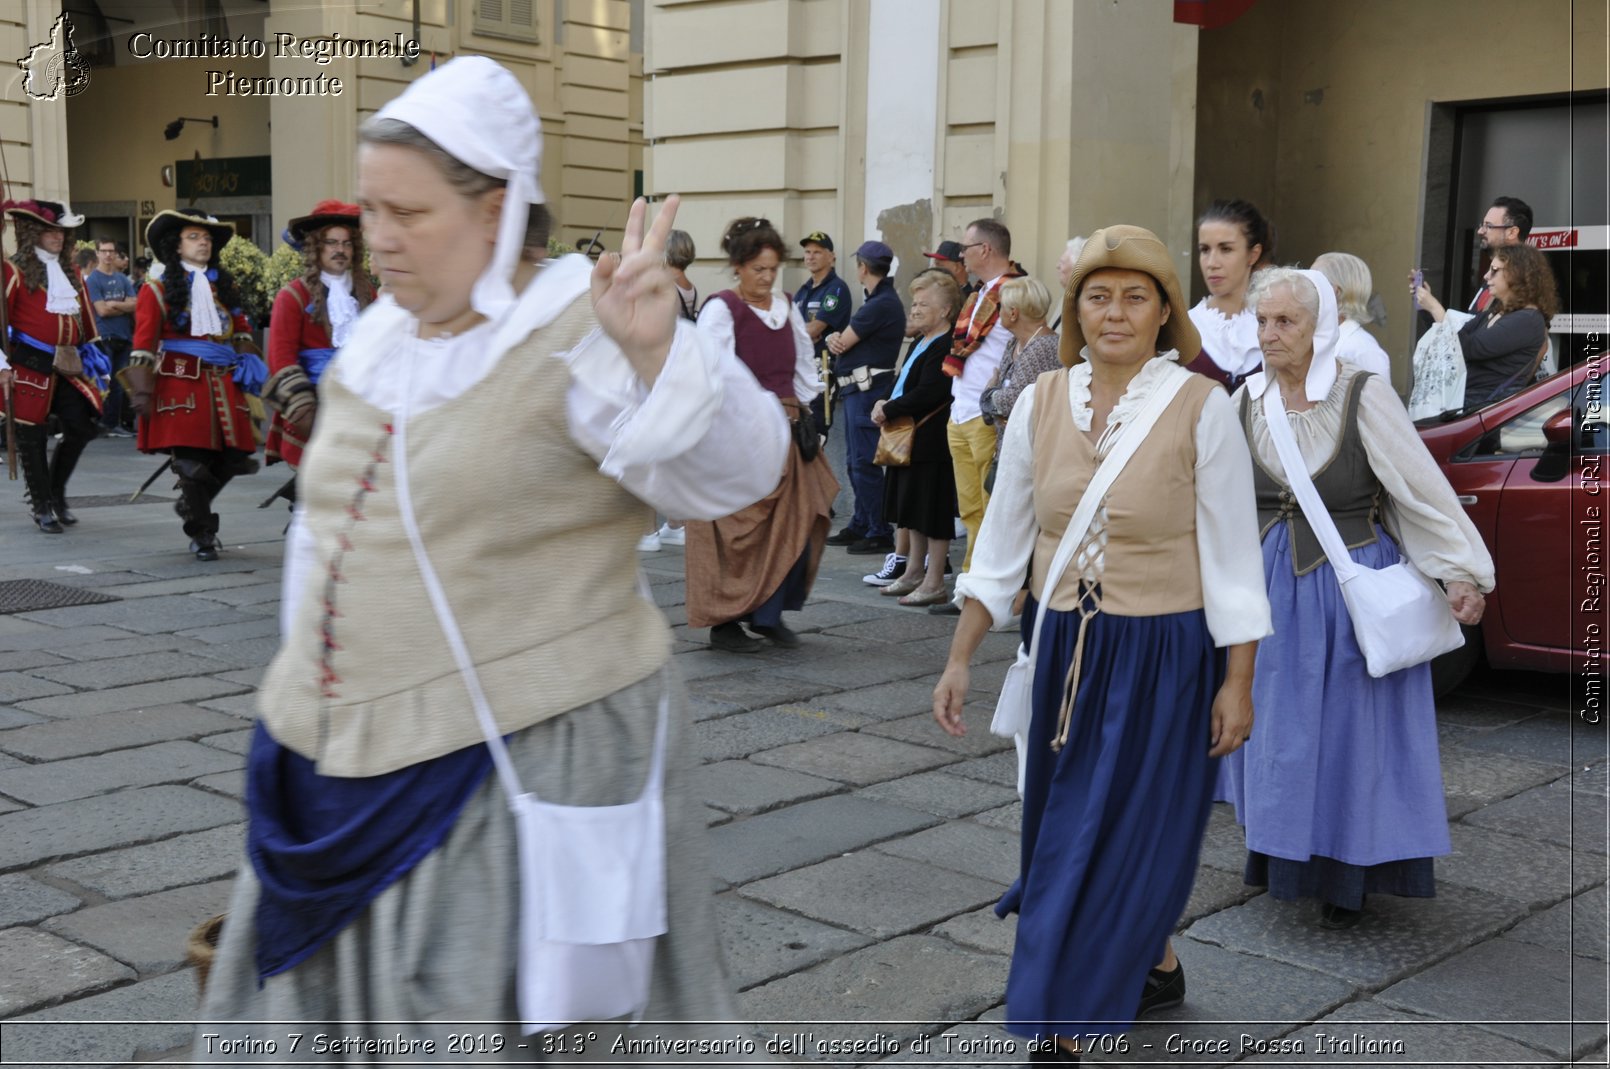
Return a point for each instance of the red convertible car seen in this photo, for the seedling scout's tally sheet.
(1531, 471)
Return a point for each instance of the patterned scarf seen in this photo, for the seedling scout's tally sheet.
(971, 329)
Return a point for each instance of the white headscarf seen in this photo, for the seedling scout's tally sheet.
(1322, 372)
(204, 319)
(340, 304)
(60, 297)
(479, 112)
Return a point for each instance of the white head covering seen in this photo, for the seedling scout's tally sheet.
(1322, 372)
(60, 297)
(478, 111)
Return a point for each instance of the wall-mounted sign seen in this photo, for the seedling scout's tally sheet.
(235, 176)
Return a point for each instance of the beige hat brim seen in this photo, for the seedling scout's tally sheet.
(1129, 248)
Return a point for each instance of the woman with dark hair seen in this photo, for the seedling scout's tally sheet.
(750, 567)
(460, 583)
(1233, 240)
(1504, 343)
(192, 365)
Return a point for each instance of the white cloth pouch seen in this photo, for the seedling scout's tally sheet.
(1015, 708)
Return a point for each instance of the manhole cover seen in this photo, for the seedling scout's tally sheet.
(31, 595)
(92, 501)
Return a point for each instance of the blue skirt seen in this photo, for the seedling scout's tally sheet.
(1340, 785)
(1112, 825)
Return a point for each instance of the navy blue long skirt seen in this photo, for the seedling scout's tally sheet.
(1112, 825)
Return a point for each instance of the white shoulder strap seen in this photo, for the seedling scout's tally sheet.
(1108, 469)
(1291, 460)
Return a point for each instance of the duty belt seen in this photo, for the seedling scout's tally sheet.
(861, 378)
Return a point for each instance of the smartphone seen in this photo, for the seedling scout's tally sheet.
(1414, 291)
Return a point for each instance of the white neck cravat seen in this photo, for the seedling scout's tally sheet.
(60, 296)
(341, 305)
(204, 319)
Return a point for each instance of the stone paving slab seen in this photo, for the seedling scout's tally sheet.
(1554, 739)
(742, 788)
(1513, 989)
(58, 640)
(73, 829)
(13, 718)
(1009, 817)
(145, 616)
(262, 559)
(762, 943)
(26, 659)
(1371, 1033)
(908, 625)
(1224, 842)
(940, 794)
(1487, 713)
(1398, 936)
(1472, 779)
(246, 653)
(1531, 872)
(148, 932)
(199, 857)
(745, 734)
(887, 701)
(252, 627)
(149, 587)
(998, 768)
(250, 677)
(921, 729)
(1576, 926)
(255, 593)
(852, 757)
(231, 784)
(80, 736)
(1593, 780)
(982, 930)
(960, 846)
(17, 687)
(926, 981)
(1553, 814)
(37, 968)
(110, 649)
(236, 742)
(876, 894)
(823, 614)
(754, 690)
(1214, 890)
(802, 834)
(24, 900)
(145, 766)
(123, 671)
(239, 706)
(99, 1028)
(138, 696)
(864, 668)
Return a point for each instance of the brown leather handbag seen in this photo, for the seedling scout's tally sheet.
(895, 439)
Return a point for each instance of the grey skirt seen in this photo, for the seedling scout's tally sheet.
(427, 972)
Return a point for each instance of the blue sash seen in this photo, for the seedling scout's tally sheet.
(97, 365)
(250, 371)
(314, 361)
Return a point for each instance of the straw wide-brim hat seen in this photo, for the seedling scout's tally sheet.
(48, 212)
(325, 213)
(172, 220)
(1132, 248)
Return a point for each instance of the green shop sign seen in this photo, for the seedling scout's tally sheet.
(238, 176)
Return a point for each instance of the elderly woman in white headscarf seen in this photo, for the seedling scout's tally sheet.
(1339, 786)
(459, 594)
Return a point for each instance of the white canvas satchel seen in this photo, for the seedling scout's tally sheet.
(1400, 617)
(592, 878)
(1014, 710)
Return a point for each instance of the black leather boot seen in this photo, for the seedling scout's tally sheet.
(36, 476)
(62, 464)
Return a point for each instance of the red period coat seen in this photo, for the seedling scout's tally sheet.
(292, 330)
(194, 404)
(25, 311)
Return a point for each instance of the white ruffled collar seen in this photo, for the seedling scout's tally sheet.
(1158, 369)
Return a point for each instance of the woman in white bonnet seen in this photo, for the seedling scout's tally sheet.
(503, 424)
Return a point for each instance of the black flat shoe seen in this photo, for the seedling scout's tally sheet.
(732, 638)
(1337, 918)
(46, 522)
(845, 537)
(1164, 990)
(64, 514)
(204, 550)
(779, 636)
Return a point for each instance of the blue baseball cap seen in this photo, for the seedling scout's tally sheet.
(875, 250)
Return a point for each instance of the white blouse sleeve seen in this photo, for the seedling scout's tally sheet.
(1006, 540)
(807, 378)
(705, 441)
(1430, 523)
(1234, 597)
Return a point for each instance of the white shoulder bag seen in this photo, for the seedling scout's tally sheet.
(1015, 709)
(1439, 369)
(1400, 617)
(592, 878)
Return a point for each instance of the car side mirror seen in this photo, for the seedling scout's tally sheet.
(1557, 429)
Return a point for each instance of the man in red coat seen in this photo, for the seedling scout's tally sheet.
(193, 364)
(49, 359)
(312, 318)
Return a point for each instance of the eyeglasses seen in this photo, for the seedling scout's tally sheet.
(328, 244)
(1495, 268)
(974, 245)
(1485, 225)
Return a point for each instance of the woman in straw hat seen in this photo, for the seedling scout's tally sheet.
(463, 635)
(1143, 667)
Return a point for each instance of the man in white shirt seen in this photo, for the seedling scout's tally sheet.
(976, 351)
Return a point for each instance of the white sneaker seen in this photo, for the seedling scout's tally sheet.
(671, 536)
(961, 529)
(893, 565)
(649, 543)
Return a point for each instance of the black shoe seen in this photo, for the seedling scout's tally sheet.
(46, 522)
(1164, 990)
(779, 636)
(867, 547)
(205, 547)
(64, 514)
(947, 609)
(732, 638)
(1338, 918)
(846, 537)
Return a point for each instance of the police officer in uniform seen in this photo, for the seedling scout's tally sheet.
(824, 304)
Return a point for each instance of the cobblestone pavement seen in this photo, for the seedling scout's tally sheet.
(857, 849)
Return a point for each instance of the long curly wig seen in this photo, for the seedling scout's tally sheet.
(363, 287)
(176, 281)
(27, 264)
